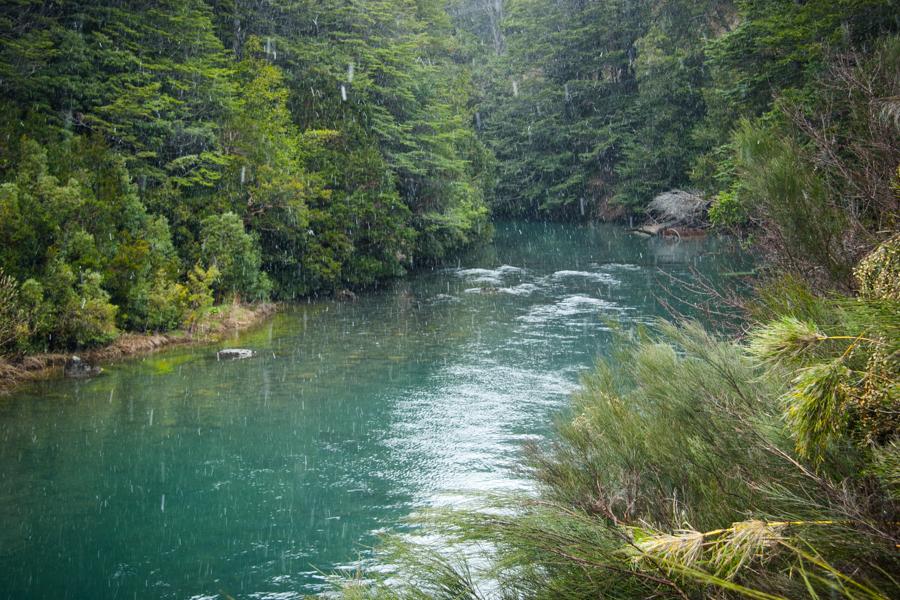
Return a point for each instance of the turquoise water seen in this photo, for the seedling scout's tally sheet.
(180, 476)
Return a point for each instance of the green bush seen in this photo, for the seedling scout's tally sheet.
(727, 210)
(84, 317)
(235, 254)
(782, 187)
(675, 476)
(158, 305)
(10, 313)
(200, 284)
(38, 317)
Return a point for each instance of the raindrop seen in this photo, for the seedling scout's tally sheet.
(343, 93)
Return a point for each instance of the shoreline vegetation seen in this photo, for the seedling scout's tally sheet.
(220, 322)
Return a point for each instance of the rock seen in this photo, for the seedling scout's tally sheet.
(234, 354)
(78, 369)
(345, 296)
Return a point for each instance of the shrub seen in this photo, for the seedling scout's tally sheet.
(88, 319)
(235, 255)
(878, 274)
(727, 210)
(843, 373)
(10, 313)
(199, 294)
(675, 477)
(167, 304)
(782, 189)
(38, 316)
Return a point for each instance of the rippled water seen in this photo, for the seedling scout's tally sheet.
(179, 476)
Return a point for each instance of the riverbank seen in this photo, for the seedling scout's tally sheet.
(221, 321)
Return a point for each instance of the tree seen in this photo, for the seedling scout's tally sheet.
(235, 254)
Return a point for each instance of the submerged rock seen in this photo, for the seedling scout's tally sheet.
(345, 296)
(234, 354)
(78, 369)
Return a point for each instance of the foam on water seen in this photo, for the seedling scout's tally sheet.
(570, 306)
(523, 289)
(589, 275)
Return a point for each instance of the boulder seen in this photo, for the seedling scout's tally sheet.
(78, 369)
(234, 354)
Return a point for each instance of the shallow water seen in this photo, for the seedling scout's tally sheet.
(180, 476)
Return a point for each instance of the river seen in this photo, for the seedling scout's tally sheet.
(180, 476)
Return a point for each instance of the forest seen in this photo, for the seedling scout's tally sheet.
(159, 159)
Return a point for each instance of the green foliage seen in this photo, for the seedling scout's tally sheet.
(783, 187)
(235, 255)
(82, 313)
(199, 296)
(787, 339)
(878, 275)
(383, 74)
(559, 102)
(674, 476)
(844, 384)
(816, 172)
(817, 405)
(631, 406)
(299, 146)
(727, 210)
(10, 312)
(775, 46)
(167, 304)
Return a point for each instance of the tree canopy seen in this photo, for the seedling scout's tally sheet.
(296, 147)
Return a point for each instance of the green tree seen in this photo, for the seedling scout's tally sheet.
(235, 254)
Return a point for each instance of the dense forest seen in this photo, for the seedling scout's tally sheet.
(158, 158)
(593, 108)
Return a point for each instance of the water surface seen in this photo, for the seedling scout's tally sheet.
(180, 476)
